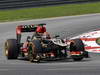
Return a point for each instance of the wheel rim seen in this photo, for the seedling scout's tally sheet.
(6, 52)
(33, 57)
(6, 49)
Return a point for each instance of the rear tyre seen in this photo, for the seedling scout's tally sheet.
(11, 49)
(77, 45)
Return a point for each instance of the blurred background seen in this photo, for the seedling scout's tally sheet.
(5, 4)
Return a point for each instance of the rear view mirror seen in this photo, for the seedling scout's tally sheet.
(28, 38)
(56, 36)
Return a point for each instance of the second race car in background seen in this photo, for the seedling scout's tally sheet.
(91, 40)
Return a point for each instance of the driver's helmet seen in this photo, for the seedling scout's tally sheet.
(46, 35)
(41, 29)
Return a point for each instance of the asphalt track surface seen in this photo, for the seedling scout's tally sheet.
(65, 26)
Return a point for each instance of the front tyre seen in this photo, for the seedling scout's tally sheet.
(34, 48)
(77, 46)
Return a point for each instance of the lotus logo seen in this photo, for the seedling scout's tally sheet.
(98, 41)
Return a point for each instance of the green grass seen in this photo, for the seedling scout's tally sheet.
(46, 12)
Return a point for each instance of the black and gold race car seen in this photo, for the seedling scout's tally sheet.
(41, 46)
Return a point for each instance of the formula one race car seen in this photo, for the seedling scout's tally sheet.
(91, 40)
(41, 46)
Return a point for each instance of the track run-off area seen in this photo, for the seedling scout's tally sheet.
(68, 26)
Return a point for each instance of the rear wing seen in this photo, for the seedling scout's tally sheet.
(27, 28)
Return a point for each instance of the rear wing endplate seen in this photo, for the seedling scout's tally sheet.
(27, 28)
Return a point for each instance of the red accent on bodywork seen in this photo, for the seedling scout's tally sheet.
(25, 47)
(89, 47)
(18, 29)
(88, 39)
(75, 52)
(24, 50)
(92, 49)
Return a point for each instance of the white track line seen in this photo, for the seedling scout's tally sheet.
(64, 17)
